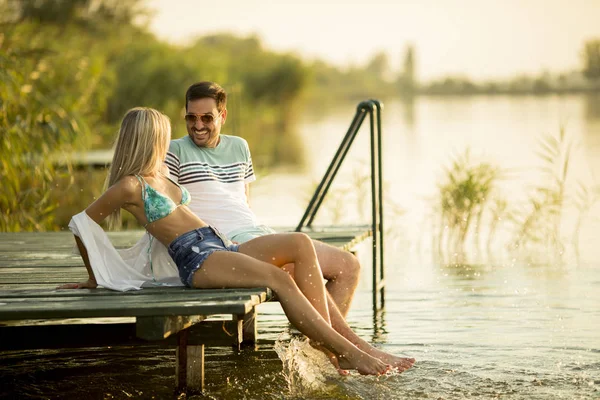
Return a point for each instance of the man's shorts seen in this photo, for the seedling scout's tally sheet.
(191, 249)
(242, 235)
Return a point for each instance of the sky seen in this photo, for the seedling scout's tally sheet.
(480, 39)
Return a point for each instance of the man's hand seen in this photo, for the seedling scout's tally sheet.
(89, 284)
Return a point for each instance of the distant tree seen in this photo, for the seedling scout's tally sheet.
(409, 65)
(591, 59)
(406, 80)
(379, 66)
(542, 84)
(81, 12)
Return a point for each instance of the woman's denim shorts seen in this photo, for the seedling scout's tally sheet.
(191, 249)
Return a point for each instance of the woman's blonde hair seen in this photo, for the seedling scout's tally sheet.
(140, 148)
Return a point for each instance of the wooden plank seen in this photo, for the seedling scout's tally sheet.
(56, 277)
(263, 293)
(344, 237)
(37, 241)
(29, 286)
(87, 309)
(131, 299)
(8, 305)
(26, 271)
(127, 300)
(15, 262)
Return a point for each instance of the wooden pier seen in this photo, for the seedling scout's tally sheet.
(36, 315)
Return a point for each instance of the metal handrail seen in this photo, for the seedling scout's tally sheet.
(372, 108)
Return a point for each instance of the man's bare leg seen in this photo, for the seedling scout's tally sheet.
(341, 269)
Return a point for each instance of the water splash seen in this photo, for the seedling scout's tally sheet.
(305, 368)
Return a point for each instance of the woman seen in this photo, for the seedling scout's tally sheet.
(205, 259)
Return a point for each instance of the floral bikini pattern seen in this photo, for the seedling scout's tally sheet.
(156, 204)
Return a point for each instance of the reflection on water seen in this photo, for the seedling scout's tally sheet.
(592, 107)
(488, 326)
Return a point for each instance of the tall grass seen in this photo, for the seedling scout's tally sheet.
(558, 190)
(585, 198)
(468, 202)
(540, 223)
(44, 96)
(463, 197)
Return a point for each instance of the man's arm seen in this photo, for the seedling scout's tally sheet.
(248, 194)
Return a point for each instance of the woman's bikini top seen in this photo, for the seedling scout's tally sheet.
(156, 204)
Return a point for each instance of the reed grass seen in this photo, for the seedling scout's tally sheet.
(467, 202)
(540, 223)
(463, 197)
(584, 200)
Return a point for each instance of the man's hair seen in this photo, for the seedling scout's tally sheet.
(202, 90)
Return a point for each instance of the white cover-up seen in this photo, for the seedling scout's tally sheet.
(124, 269)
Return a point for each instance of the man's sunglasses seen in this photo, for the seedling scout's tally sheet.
(205, 118)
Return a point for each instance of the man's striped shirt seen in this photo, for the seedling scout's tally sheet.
(216, 179)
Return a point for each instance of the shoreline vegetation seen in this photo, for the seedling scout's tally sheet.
(71, 68)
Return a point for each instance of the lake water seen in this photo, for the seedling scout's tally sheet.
(494, 323)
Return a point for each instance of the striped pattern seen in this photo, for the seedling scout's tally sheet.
(172, 162)
(193, 172)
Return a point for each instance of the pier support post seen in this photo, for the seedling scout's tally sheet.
(189, 373)
(249, 328)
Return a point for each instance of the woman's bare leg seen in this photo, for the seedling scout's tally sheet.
(225, 269)
(281, 249)
(339, 323)
(296, 248)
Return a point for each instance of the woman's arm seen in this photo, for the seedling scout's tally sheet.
(118, 195)
(114, 198)
(91, 281)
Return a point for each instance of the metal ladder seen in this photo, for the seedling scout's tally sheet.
(372, 108)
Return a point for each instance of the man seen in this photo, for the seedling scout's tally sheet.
(217, 170)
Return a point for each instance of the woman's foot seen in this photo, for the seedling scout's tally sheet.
(331, 357)
(399, 363)
(364, 364)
